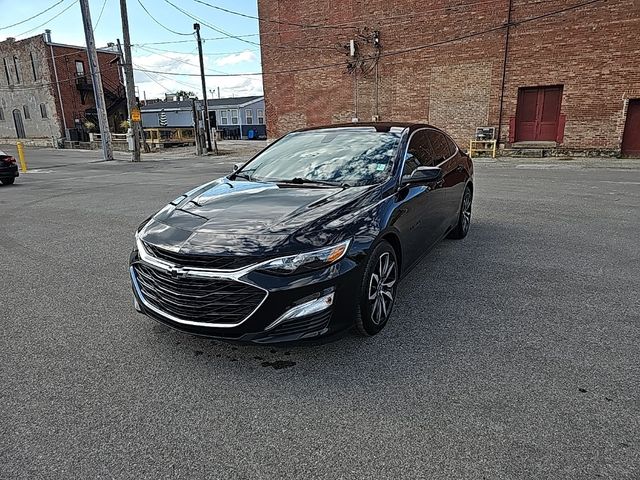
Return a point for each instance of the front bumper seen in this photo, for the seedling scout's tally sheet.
(281, 293)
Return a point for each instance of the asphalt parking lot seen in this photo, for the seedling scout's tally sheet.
(512, 354)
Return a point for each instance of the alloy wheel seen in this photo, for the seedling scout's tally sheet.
(466, 211)
(381, 288)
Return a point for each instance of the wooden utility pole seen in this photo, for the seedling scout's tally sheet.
(196, 26)
(98, 92)
(132, 104)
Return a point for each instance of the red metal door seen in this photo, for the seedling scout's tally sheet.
(631, 136)
(538, 114)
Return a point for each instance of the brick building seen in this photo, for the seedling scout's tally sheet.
(566, 80)
(46, 90)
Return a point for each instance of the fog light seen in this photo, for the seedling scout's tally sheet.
(304, 309)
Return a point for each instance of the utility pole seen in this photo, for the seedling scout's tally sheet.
(96, 78)
(196, 26)
(134, 111)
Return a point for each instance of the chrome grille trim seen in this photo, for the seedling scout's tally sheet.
(136, 285)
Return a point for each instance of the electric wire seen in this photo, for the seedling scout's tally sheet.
(162, 25)
(33, 16)
(50, 20)
(405, 50)
(104, 3)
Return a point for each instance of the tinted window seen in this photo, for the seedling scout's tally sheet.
(357, 156)
(441, 150)
(419, 152)
(452, 146)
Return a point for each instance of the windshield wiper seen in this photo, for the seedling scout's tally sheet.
(307, 181)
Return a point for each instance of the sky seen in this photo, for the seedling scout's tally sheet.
(222, 55)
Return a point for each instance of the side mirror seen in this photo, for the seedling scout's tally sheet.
(423, 175)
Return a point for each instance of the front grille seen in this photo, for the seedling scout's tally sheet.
(311, 323)
(217, 262)
(206, 300)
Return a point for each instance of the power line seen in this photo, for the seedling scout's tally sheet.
(162, 25)
(216, 54)
(104, 3)
(404, 50)
(240, 14)
(178, 60)
(238, 37)
(50, 20)
(34, 16)
(14, 88)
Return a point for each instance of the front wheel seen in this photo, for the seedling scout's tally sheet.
(464, 218)
(378, 291)
(8, 181)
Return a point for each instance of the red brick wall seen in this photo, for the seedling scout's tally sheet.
(592, 51)
(65, 58)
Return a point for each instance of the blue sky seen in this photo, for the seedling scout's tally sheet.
(226, 55)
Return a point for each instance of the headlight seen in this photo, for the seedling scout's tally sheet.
(307, 261)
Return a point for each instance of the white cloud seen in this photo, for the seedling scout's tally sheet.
(173, 63)
(236, 58)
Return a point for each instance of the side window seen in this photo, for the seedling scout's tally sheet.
(452, 146)
(440, 145)
(419, 153)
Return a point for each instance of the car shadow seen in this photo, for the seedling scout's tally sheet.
(435, 312)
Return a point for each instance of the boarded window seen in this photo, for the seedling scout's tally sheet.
(27, 115)
(6, 71)
(249, 116)
(16, 66)
(34, 69)
(43, 110)
(80, 68)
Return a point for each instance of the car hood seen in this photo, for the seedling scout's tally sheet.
(251, 218)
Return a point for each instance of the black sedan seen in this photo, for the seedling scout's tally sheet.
(8, 169)
(307, 239)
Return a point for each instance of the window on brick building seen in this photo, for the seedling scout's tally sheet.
(34, 69)
(260, 117)
(25, 109)
(16, 66)
(43, 110)
(79, 68)
(248, 113)
(234, 116)
(6, 71)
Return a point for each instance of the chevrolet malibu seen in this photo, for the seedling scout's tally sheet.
(307, 239)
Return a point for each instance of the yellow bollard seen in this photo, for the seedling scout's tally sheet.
(23, 164)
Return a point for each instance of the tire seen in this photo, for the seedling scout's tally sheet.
(377, 298)
(464, 217)
(8, 181)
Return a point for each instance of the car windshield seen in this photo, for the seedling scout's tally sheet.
(345, 156)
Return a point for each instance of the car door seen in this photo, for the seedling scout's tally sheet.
(421, 204)
(455, 183)
(444, 158)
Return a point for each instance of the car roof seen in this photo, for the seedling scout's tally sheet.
(379, 126)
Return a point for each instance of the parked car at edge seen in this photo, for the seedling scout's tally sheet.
(8, 169)
(307, 239)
